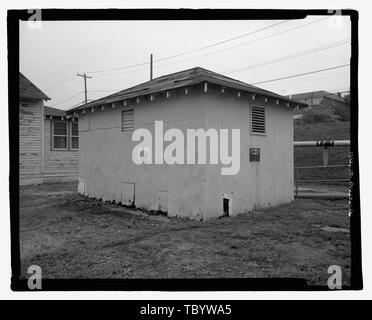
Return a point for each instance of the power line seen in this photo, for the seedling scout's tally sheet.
(85, 85)
(299, 54)
(222, 42)
(90, 91)
(292, 56)
(190, 51)
(292, 76)
(64, 86)
(58, 84)
(272, 80)
(212, 45)
(301, 74)
(315, 79)
(68, 99)
(222, 50)
(76, 104)
(262, 38)
(74, 96)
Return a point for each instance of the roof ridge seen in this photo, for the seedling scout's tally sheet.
(309, 92)
(140, 84)
(188, 77)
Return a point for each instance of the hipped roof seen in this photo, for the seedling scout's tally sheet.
(181, 79)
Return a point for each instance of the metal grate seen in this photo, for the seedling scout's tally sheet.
(127, 120)
(258, 120)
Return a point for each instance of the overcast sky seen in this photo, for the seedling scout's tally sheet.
(51, 56)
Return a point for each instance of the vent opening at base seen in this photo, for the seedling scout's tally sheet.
(226, 205)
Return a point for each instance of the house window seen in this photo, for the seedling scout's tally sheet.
(74, 135)
(59, 135)
(127, 120)
(258, 120)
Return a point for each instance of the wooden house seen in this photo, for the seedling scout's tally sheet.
(48, 139)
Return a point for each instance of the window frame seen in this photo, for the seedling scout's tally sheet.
(73, 136)
(251, 122)
(58, 135)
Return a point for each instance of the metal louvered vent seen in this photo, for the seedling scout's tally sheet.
(258, 120)
(127, 120)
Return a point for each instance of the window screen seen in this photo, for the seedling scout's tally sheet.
(127, 120)
(258, 121)
(59, 135)
(74, 135)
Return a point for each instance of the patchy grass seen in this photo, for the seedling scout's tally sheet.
(69, 236)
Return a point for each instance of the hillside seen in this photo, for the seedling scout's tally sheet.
(313, 156)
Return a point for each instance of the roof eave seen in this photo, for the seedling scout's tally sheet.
(291, 103)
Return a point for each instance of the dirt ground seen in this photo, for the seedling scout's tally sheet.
(70, 236)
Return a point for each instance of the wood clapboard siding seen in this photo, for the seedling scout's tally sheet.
(30, 114)
(58, 162)
(58, 165)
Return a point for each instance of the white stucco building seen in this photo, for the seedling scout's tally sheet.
(190, 99)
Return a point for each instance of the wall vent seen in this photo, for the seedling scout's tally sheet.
(258, 120)
(127, 120)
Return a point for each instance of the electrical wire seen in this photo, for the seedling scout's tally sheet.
(292, 56)
(68, 99)
(222, 50)
(301, 74)
(190, 51)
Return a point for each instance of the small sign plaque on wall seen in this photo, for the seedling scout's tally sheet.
(254, 154)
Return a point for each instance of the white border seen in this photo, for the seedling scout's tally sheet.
(365, 154)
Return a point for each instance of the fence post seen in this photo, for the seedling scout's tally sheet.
(325, 157)
(297, 179)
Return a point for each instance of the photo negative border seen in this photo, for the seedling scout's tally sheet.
(216, 284)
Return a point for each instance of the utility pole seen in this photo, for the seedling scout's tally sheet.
(85, 85)
(151, 65)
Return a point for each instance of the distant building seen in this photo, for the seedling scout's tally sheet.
(48, 138)
(190, 99)
(320, 101)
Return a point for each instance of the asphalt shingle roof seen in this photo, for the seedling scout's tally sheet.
(178, 80)
(28, 90)
(316, 96)
(49, 111)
